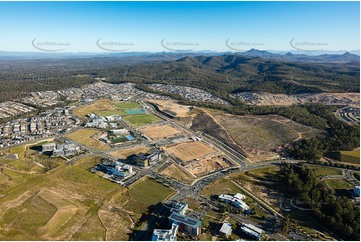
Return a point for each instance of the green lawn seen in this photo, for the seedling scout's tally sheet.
(324, 171)
(149, 191)
(212, 217)
(350, 156)
(80, 176)
(193, 204)
(119, 140)
(127, 105)
(222, 187)
(27, 218)
(141, 119)
(109, 113)
(84, 136)
(338, 184)
(15, 176)
(262, 173)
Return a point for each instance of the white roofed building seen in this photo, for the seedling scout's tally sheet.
(226, 229)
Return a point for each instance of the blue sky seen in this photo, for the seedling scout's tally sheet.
(141, 26)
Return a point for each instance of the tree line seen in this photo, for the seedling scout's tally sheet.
(338, 214)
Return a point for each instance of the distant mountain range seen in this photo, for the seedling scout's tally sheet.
(219, 73)
(134, 57)
(289, 56)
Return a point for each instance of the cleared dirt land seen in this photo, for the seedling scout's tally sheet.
(189, 151)
(85, 137)
(172, 107)
(262, 136)
(159, 131)
(124, 153)
(207, 165)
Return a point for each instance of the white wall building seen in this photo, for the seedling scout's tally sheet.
(166, 234)
(235, 200)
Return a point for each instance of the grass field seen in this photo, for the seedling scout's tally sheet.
(92, 229)
(261, 172)
(109, 113)
(220, 187)
(338, 184)
(25, 219)
(67, 203)
(350, 156)
(177, 173)
(124, 153)
(102, 105)
(142, 119)
(193, 204)
(149, 191)
(105, 107)
(84, 136)
(324, 171)
(27, 156)
(127, 105)
(119, 140)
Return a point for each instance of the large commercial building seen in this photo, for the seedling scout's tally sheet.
(166, 234)
(119, 131)
(235, 200)
(143, 159)
(57, 150)
(180, 222)
(48, 147)
(187, 225)
(114, 171)
(180, 208)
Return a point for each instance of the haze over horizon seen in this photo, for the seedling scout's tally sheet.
(59, 27)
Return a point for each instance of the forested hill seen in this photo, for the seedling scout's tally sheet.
(235, 73)
(220, 74)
